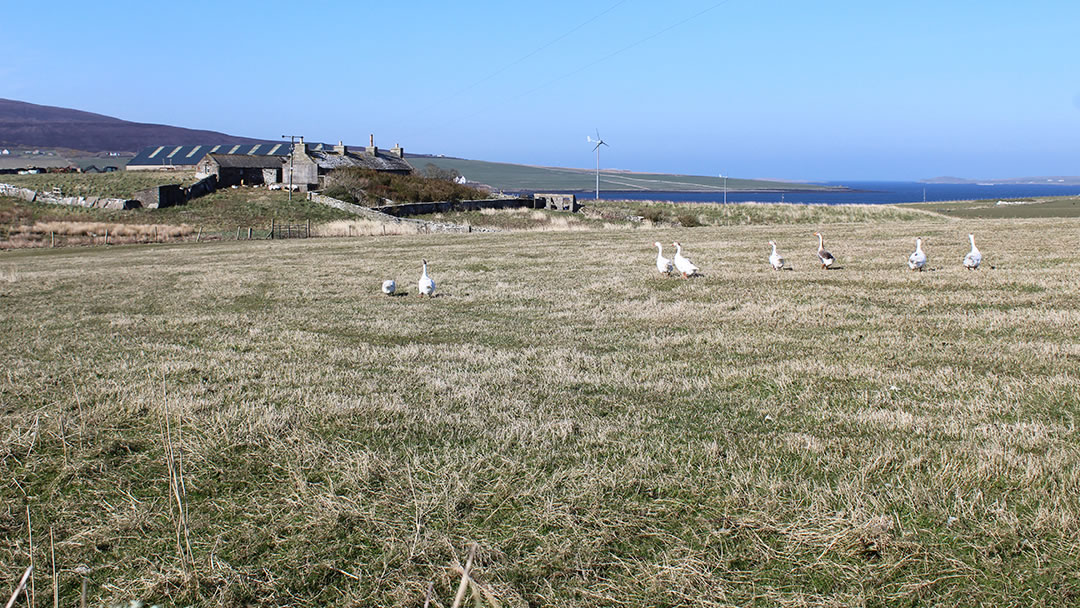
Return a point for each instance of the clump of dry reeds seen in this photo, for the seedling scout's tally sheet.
(140, 231)
(364, 227)
(66, 233)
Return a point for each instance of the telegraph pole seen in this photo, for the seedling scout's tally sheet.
(292, 152)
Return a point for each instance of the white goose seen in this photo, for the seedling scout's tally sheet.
(662, 264)
(775, 260)
(685, 267)
(826, 258)
(389, 287)
(426, 285)
(917, 260)
(974, 257)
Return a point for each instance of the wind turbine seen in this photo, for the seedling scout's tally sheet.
(599, 142)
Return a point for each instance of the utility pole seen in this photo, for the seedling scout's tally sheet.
(725, 187)
(292, 152)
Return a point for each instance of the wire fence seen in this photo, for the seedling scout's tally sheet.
(21, 237)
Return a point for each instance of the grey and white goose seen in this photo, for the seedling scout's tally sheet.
(827, 259)
(775, 260)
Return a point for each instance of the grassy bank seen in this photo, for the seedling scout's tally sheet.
(119, 184)
(1049, 206)
(216, 216)
(660, 214)
(864, 436)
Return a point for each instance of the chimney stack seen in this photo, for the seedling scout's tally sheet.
(371, 149)
(340, 148)
(398, 151)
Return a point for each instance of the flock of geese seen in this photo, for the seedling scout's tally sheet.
(681, 264)
(916, 261)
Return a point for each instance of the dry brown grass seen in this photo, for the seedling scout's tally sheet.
(607, 436)
(75, 233)
(363, 227)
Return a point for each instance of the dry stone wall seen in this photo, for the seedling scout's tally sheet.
(96, 202)
(386, 218)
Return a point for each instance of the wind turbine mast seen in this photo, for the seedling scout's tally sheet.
(599, 142)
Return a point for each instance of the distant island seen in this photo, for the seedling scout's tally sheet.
(1063, 180)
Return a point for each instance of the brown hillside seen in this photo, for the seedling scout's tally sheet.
(27, 124)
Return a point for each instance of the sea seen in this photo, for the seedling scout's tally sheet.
(857, 193)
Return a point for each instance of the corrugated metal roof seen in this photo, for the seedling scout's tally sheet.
(191, 155)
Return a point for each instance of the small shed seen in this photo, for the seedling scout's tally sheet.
(160, 197)
(240, 169)
(556, 202)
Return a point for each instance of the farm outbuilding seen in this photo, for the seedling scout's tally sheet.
(240, 169)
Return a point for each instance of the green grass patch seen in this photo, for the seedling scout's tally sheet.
(119, 184)
(1057, 206)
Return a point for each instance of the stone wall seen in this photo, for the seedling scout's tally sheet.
(76, 201)
(444, 206)
(379, 216)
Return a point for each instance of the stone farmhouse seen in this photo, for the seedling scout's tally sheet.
(307, 169)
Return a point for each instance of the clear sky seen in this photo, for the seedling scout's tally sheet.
(836, 89)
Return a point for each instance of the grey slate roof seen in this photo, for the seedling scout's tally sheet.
(247, 161)
(383, 161)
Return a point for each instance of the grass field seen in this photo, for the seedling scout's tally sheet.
(606, 436)
(660, 214)
(1055, 206)
(118, 184)
(511, 177)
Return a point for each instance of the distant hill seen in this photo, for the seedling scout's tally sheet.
(530, 178)
(27, 124)
(1066, 180)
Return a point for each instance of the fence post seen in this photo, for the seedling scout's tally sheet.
(198, 237)
(238, 233)
(52, 239)
(249, 233)
(307, 235)
(273, 221)
(106, 236)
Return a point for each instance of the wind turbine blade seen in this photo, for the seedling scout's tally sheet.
(598, 145)
(598, 135)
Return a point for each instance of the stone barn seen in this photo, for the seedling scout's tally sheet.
(241, 169)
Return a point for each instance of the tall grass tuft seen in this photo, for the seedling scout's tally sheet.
(363, 227)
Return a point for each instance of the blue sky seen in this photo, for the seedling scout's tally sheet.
(783, 89)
